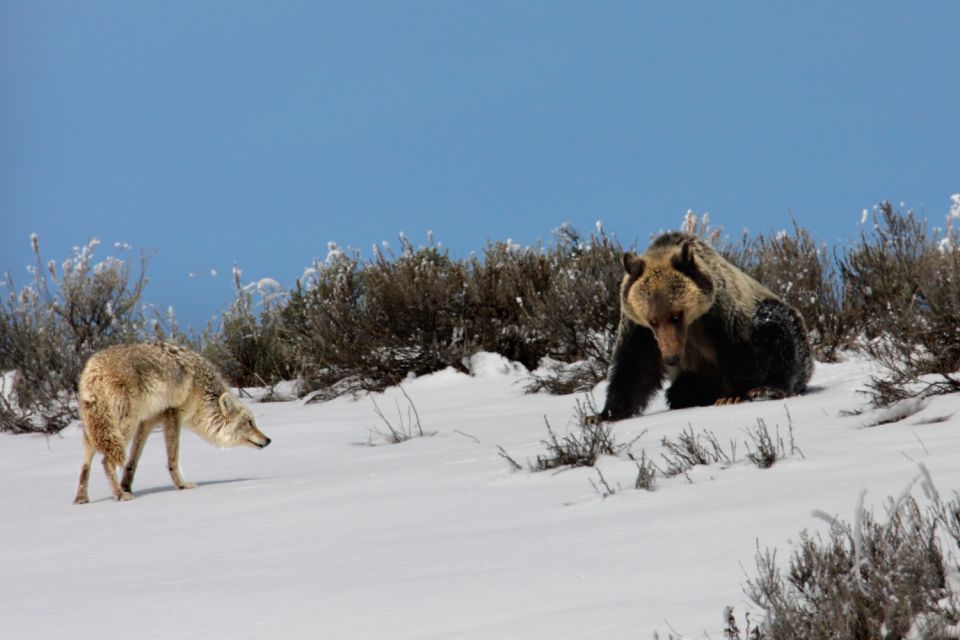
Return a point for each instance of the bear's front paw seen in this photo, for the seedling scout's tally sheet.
(728, 400)
(607, 415)
(766, 393)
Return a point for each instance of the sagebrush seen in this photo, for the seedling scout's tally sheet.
(354, 324)
(51, 325)
(877, 578)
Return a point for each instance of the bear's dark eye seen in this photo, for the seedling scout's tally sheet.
(653, 323)
(676, 318)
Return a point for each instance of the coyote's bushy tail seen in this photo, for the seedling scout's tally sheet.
(101, 427)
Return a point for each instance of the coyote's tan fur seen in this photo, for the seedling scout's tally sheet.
(125, 391)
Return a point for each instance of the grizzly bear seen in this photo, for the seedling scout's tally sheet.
(720, 336)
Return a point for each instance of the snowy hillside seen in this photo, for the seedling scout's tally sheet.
(333, 533)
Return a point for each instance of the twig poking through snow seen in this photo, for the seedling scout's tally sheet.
(405, 430)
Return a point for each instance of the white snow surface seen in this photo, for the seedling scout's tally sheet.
(322, 535)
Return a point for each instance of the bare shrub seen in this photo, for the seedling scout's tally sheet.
(906, 282)
(646, 473)
(332, 340)
(765, 449)
(578, 310)
(498, 286)
(878, 578)
(803, 273)
(49, 327)
(251, 346)
(731, 630)
(582, 447)
(579, 448)
(882, 271)
(418, 298)
(562, 378)
(516, 466)
(603, 489)
(691, 449)
(699, 225)
(357, 325)
(405, 428)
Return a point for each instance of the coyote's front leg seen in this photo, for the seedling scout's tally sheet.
(171, 433)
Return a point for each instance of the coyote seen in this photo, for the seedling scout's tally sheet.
(126, 390)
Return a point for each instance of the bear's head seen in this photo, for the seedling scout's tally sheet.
(666, 290)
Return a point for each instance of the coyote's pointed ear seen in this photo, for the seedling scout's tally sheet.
(633, 264)
(228, 404)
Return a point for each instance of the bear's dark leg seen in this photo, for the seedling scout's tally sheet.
(735, 357)
(636, 372)
(782, 352)
(693, 390)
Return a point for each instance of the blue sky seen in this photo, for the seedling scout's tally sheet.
(253, 133)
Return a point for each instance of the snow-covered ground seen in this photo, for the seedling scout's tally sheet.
(332, 533)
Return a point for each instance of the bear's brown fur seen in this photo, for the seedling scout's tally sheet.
(720, 336)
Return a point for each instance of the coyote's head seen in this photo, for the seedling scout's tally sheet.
(235, 425)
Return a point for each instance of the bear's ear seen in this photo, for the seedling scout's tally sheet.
(633, 264)
(686, 253)
(684, 262)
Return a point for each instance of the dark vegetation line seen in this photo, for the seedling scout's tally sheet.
(358, 324)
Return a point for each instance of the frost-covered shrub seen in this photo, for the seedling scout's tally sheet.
(905, 281)
(50, 326)
(323, 316)
(357, 324)
(881, 272)
(875, 579)
(365, 324)
(251, 347)
(496, 286)
(803, 273)
(577, 311)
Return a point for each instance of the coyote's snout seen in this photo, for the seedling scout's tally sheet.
(125, 391)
